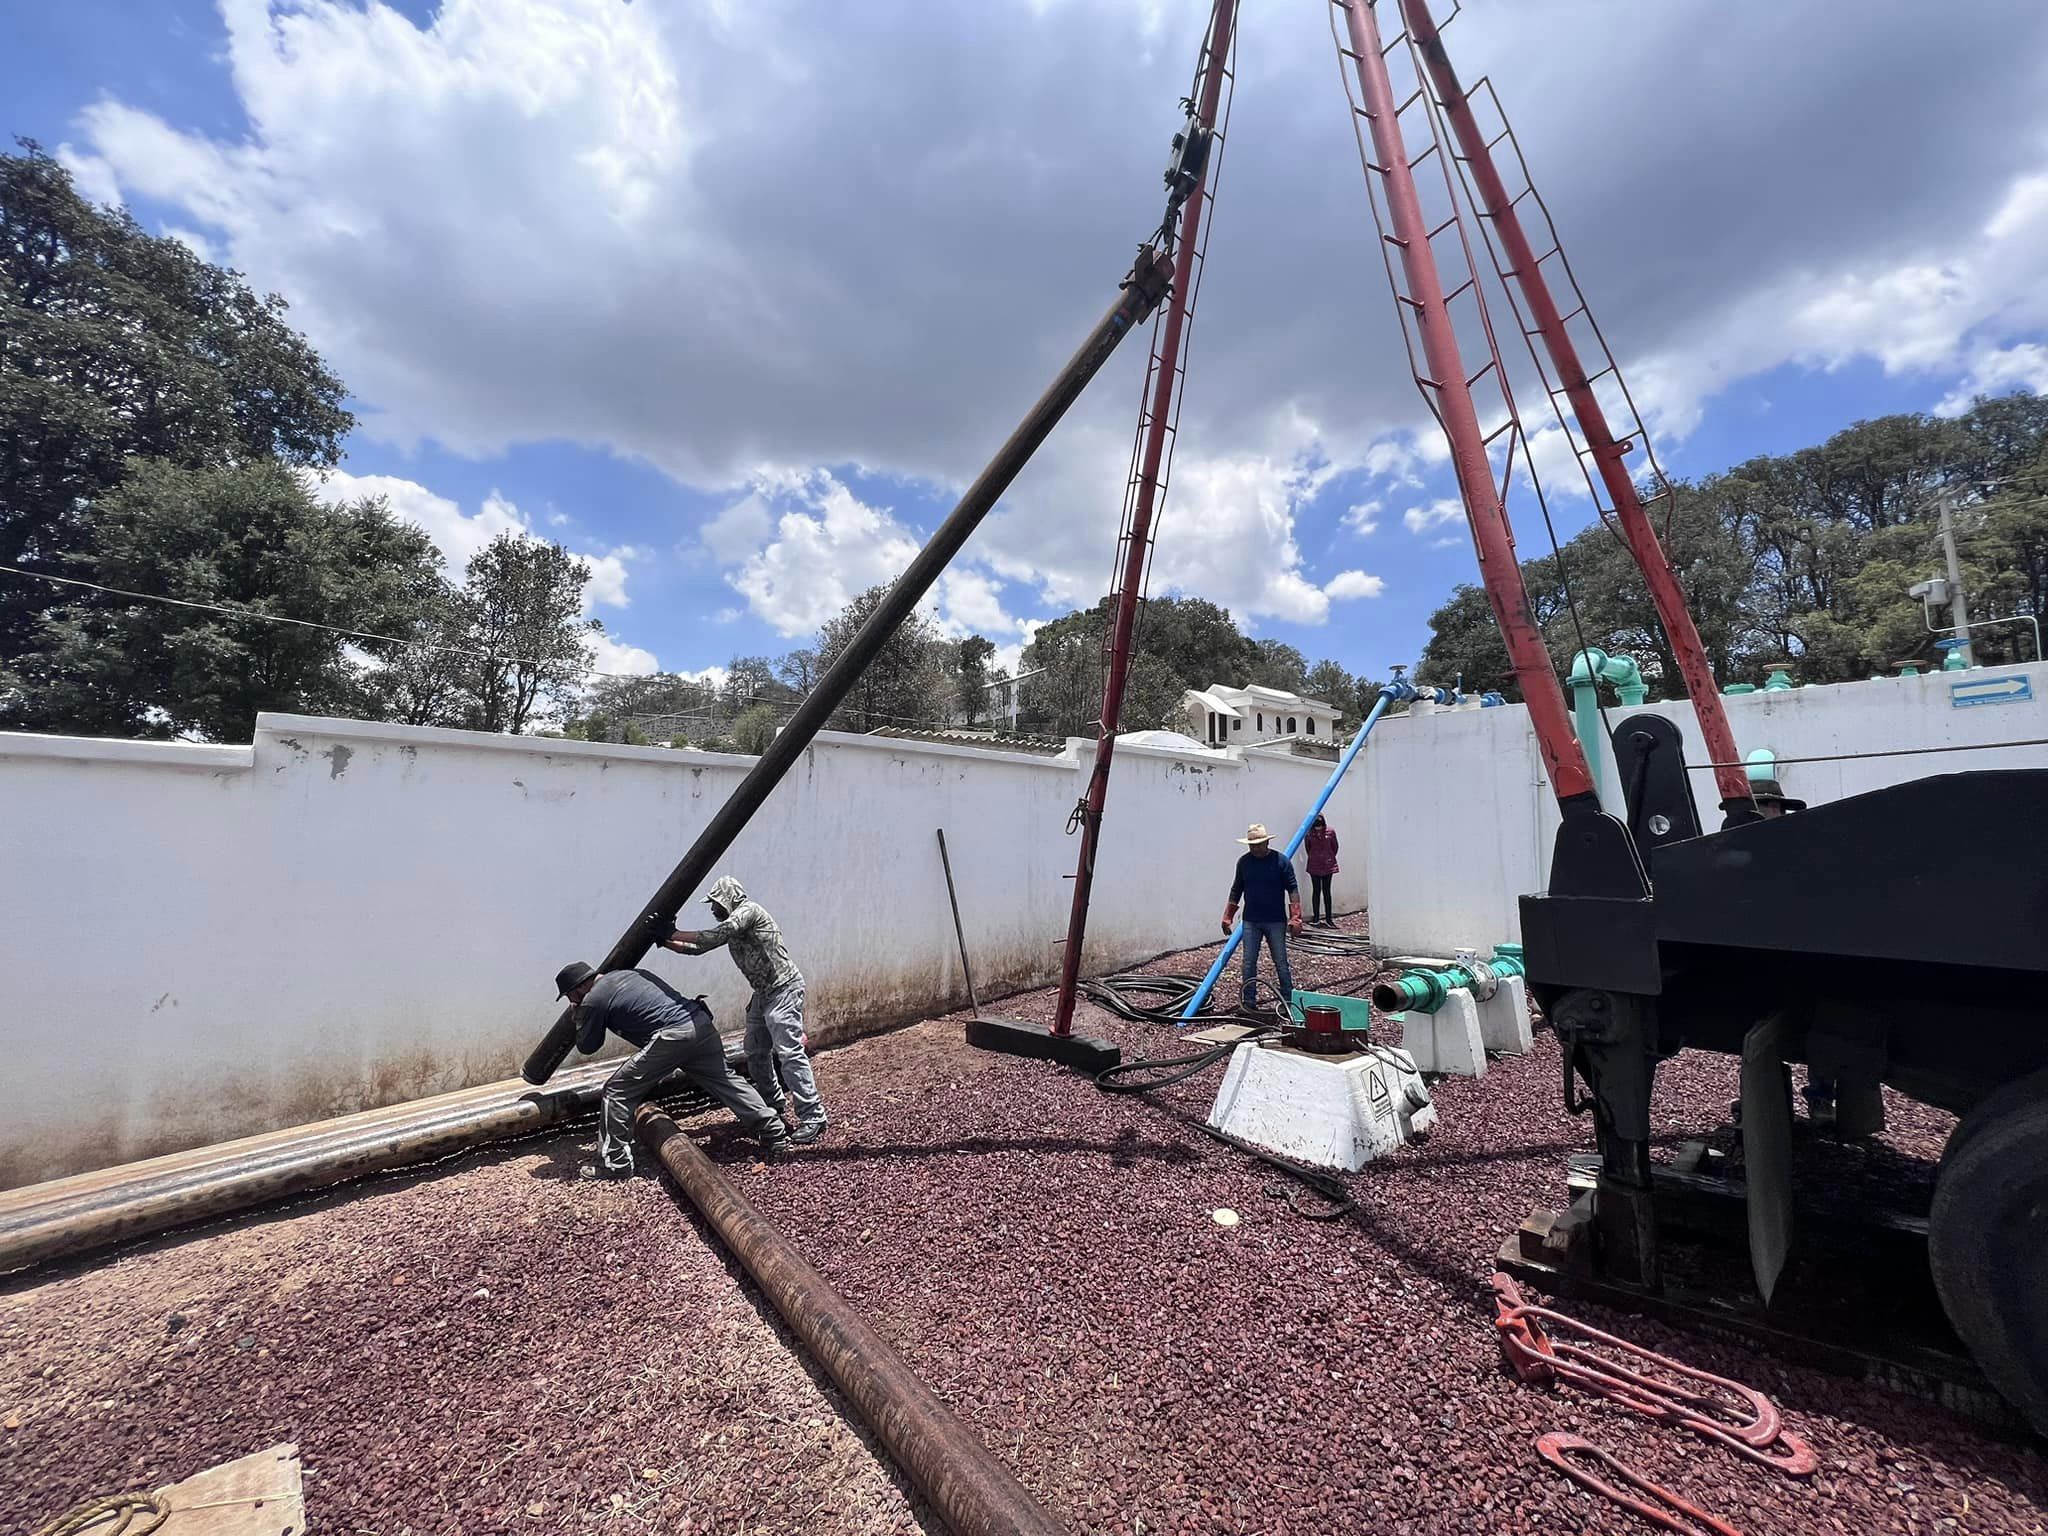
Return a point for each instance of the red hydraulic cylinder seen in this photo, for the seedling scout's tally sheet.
(1665, 593)
(1563, 759)
(1215, 61)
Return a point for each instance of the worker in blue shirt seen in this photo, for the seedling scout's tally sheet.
(1271, 895)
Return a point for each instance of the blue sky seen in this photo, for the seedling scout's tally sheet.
(733, 298)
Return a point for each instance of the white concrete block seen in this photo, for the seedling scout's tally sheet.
(1504, 1019)
(1447, 1041)
(1329, 1111)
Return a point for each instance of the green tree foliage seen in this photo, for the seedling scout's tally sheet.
(1276, 664)
(971, 678)
(1183, 643)
(118, 345)
(1329, 682)
(903, 685)
(1804, 557)
(520, 604)
(247, 537)
(755, 728)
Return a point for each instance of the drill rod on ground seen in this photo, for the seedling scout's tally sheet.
(1147, 283)
(973, 1492)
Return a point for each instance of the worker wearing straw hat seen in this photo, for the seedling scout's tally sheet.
(1271, 896)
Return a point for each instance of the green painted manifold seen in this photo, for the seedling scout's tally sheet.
(1427, 991)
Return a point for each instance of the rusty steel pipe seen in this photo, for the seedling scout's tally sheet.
(1139, 294)
(973, 1492)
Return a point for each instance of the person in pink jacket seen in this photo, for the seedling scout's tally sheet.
(1322, 864)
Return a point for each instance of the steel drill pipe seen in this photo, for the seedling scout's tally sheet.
(973, 1492)
(1148, 282)
(67, 1217)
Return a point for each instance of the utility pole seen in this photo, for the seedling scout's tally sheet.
(1958, 611)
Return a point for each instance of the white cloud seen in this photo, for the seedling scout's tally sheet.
(970, 602)
(739, 530)
(1437, 513)
(827, 547)
(1364, 518)
(94, 178)
(461, 535)
(614, 656)
(1996, 370)
(1348, 584)
(618, 175)
(607, 585)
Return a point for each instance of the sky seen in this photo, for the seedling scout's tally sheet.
(733, 297)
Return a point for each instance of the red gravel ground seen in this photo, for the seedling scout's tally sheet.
(1045, 1256)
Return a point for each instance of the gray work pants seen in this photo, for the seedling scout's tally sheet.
(696, 1052)
(775, 1051)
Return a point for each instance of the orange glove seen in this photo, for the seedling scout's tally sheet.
(1294, 919)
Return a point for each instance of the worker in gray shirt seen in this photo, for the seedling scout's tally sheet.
(674, 1034)
(775, 1016)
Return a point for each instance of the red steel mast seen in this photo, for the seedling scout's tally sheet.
(1525, 267)
(1167, 373)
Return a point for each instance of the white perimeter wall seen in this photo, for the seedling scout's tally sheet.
(207, 942)
(1459, 818)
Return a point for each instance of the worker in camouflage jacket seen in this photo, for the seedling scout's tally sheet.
(775, 1017)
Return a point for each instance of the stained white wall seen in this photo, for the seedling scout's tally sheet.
(1461, 820)
(208, 942)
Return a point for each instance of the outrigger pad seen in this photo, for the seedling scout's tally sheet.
(1014, 1037)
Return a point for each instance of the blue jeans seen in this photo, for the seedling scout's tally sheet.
(1275, 935)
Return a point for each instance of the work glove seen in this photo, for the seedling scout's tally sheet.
(658, 929)
(1230, 917)
(1294, 922)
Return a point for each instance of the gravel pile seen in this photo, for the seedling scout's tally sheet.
(1046, 1257)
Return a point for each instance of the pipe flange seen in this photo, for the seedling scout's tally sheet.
(1484, 983)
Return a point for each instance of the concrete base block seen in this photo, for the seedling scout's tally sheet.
(1504, 1019)
(1447, 1041)
(1336, 1112)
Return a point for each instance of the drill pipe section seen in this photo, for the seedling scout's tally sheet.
(1141, 292)
(973, 1492)
(63, 1218)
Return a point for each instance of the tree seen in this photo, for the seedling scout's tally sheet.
(902, 685)
(755, 728)
(1276, 664)
(118, 345)
(972, 679)
(250, 537)
(421, 683)
(1329, 682)
(798, 671)
(1153, 696)
(751, 680)
(521, 600)
(1803, 557)
(1065, 697)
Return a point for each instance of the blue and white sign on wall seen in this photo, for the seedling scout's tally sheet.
(2017, 689)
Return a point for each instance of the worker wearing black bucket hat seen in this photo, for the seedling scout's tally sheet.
(674, 1034)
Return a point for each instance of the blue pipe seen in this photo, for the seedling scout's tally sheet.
(1398, 691)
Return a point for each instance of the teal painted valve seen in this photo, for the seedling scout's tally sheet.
(1426, 991)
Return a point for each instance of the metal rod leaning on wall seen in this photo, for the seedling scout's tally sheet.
(959, 932)
(1142, 289)
(1379, 707)
(973, 1492)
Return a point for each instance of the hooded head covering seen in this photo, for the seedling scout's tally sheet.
(727, 893)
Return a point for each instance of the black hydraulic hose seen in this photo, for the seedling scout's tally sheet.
(1177, 1069)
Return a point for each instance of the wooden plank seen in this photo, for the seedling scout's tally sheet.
(259, 1495)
